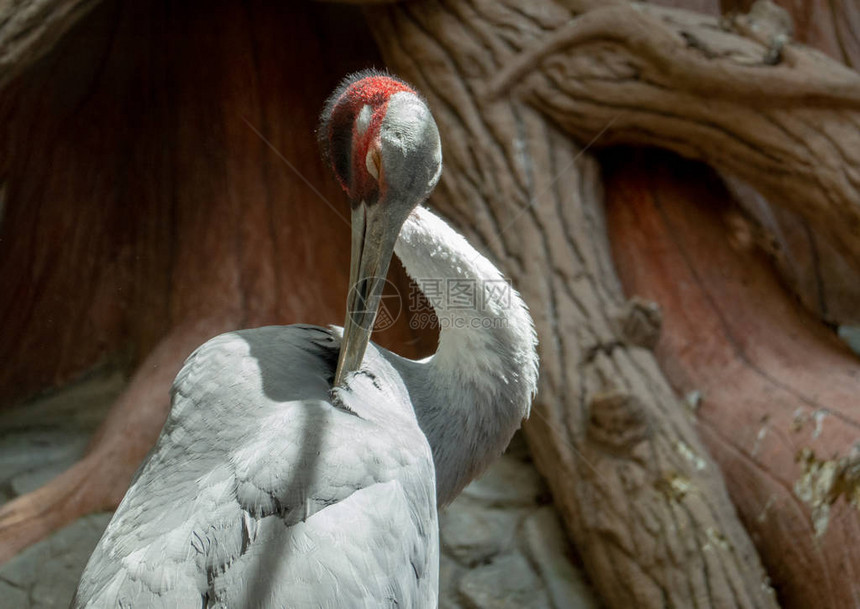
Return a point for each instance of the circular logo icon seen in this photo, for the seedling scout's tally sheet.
(390, 305)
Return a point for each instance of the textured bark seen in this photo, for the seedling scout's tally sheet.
(643, 501)
(808, 262)
(705, 92)
(785, 121)
(777, 392)
(779, 408)
(828, 25)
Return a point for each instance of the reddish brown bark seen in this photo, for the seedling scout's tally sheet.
(138, 195)
(162, 184)
(774, 383)
(808, 262)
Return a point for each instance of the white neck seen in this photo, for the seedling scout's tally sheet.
(471, 396)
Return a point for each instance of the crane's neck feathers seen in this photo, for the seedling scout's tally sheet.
(473, 393)
(379, 137)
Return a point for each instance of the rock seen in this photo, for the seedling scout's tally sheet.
(449, 576)
(47, 573)
(472, 533)
(507, 482)
(12, 596)
(45, 436)
(61, 410)
(506, 583)
(548, 547)
(31, 480)
(22, 451)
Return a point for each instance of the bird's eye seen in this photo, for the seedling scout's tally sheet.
(372, 161)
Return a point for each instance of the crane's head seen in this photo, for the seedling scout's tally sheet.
(381, 141)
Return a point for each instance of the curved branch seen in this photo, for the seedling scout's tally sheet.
(685, 82)
(694, 53)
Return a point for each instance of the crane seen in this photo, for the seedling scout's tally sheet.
(303, 466)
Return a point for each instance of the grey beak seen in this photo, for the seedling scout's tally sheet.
(373, 239)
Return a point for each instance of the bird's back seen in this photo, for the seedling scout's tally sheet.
(262, 492)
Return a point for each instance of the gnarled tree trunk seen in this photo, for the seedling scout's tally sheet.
(644, 503)
(652, 523)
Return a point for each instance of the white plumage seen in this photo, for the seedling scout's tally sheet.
(262, 493)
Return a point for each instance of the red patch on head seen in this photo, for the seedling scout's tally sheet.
(373, 91)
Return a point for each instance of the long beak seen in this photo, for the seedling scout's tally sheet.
(373, 239)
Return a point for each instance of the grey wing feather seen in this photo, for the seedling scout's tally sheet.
(260, 492)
